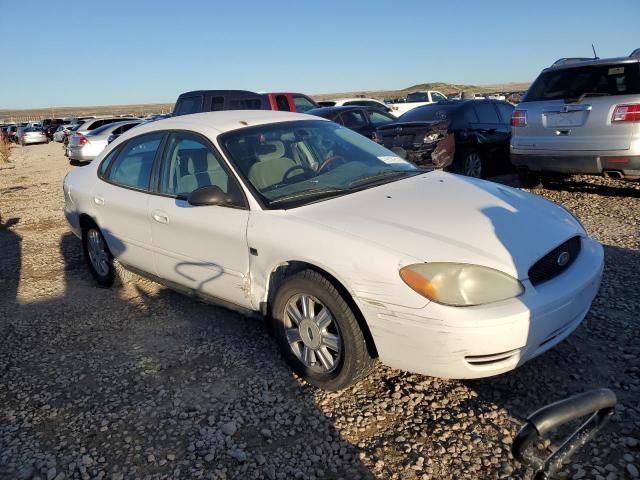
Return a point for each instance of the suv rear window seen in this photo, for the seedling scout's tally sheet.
(594, 80)
(188, 105)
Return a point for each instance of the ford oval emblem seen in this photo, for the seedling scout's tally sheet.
(563, 259)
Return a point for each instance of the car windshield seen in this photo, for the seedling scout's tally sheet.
(293, 163)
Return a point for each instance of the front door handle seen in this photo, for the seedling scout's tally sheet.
(160, 217)
(98, 200)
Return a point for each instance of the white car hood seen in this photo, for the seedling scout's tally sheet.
(440, 217)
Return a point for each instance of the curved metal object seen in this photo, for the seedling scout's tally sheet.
(599, 403)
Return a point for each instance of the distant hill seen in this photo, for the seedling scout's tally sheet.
(445, 88)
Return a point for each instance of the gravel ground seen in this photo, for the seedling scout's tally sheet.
(141, 382)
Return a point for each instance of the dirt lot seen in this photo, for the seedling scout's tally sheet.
(140, 382)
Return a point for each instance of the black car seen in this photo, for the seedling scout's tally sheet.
(215, 100)
(364, 120)
(467, 136)
(50, 125)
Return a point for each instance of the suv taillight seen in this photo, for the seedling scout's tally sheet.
(626, 113)
(519, 118)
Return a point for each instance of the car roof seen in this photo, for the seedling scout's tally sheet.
(215, 123)
(218, 92)
(591, 62)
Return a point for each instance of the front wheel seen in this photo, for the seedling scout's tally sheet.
(318, 332)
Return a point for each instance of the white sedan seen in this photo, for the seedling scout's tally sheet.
(352, 253)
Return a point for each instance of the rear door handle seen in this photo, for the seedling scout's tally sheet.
(98, 200)
(160, 217)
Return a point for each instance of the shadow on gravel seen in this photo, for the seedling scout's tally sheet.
(615, 188)
(143, 382)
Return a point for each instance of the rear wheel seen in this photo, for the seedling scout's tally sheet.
(472, 164)
(318, 333)
(104, 268)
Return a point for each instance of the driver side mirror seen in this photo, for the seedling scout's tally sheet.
(210, 195)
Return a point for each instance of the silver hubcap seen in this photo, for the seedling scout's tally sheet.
(473, 165)
(97, 252)
(312, 333)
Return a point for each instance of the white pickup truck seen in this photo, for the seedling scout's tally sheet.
(416, 99)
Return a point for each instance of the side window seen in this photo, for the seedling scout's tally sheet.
(189, 105)
(217, 103)
(245, 104)
(436, 97)
(353, 119)
(189, 163)
(302, 103)
(486, 112)
(104, 166)
(378, 118)
(506, 111)
(282, 103)
(132, 167)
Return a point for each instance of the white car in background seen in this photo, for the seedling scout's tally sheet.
(416, 99)
(60, 132)
(86, 147)
(362, 102)
(352, 252)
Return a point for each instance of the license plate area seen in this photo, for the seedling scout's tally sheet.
(564, 119)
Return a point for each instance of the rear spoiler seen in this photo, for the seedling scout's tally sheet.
(568, 60)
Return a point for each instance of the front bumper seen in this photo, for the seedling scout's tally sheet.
(589, 163)
(482, 341)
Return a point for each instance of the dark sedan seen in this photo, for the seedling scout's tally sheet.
(466, 136)
(364, 120)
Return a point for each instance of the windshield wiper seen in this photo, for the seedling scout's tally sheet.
(380, 176)
(585, 95)
(316, 192)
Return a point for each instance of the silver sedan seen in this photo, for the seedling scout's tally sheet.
(32, 135)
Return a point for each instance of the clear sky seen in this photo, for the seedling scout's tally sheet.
(142, 51)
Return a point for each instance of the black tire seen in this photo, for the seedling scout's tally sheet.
(529, 179)
(355, 360)
(115, 274)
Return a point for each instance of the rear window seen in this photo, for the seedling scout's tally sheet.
(428, 113)
(595, 80)
(418, 97)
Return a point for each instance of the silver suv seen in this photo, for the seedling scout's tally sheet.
(580, 117)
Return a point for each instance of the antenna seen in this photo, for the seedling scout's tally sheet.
(594, 52)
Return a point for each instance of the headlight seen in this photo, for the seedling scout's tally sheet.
(459, 284)
(430, 137)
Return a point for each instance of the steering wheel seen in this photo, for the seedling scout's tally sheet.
(287, 174)
(328, 161)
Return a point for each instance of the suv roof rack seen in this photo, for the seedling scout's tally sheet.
(568, 60)
(635, 53)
